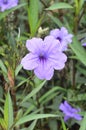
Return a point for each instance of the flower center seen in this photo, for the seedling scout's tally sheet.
(59, 38)
(42, 57)
(5, 1)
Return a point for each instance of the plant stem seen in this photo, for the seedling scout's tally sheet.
(76, 24)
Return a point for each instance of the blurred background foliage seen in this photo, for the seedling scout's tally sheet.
(22, 95)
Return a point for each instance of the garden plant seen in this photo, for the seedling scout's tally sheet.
(42, 64)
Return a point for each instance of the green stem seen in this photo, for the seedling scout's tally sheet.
(76, 24)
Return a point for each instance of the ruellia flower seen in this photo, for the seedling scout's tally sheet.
(63, 36)
(44, 57)
(7, 4)
(69, 111)
(84, 44)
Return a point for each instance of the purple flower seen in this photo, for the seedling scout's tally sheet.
(63, 36)
(84, 44)
(44, 57)
(69, 111)
(7, 4)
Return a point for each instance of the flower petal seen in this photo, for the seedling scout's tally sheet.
(34, 45)
(63, 31)
(84, 44)
(63, 36)
(67, 110)
(66, 118)
(51, 44)
(68, 106)
(29, 62)
(58, 60)
(68, 38)
(55, 33)
(62, 107)
(44, 71)
(8, 5)
(77, 117)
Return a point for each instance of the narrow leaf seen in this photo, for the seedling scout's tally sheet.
(33, 15)
(50, 92)
(81, 2)
(8, 111)
(31, 127)
(3, 123)
(78, 50)
(63, 124)
(2, 66)
(33, 117)
(59, 5)
(56, 20)
(18, 68)
(33, 92)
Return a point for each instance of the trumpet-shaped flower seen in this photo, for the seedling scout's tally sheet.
(44, 57)
(7, 4)
(69, 111)
(63, 36)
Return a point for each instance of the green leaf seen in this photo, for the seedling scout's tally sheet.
(5, 13)
(18, 68)
(2, 123)
(78, 97)
(19, 114)
(3, 68)
(33, 15)
(30, 109)
(63, 124)
(24, 129)
(1, 110)
(55, 20)
(49, 98)
(31, 127)
(50, 93)
(53, 124)
(59, 5)
(81, 2)
(22, 82)
(33, 92)
(8, 111)
(83, 123)
(78, 50)
(33, 117)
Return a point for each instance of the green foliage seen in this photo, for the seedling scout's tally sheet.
(31, 127)
(33, 92)
(7, 121)
(59, 5)
(3, 68)
(18, 68)
(27, 103)
(83, 123)
(56, 20)
(33, 11)
(8, 111)
(31, 117)
(79, 51)
(63, 125)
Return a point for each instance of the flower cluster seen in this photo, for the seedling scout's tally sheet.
(46, 55)
(69, 111)
(7, 4)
